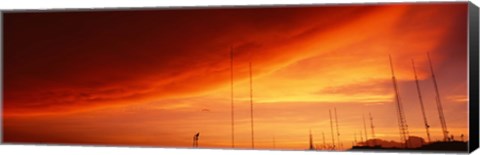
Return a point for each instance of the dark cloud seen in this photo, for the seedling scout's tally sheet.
(63, 61)
(58, 59)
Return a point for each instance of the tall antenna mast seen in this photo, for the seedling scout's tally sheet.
(439, 103)
(361, 137)
(338, 132)
(402, 122)
(355, 137)
(365, 129)
(274, 142)
(311, 141)
(324, 143)
(231, 93)
(421, 102)
(371, 125)
(251, 103)
(331, 128)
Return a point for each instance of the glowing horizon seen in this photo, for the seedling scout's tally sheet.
(155, 78)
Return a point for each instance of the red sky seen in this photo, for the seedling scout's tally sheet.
(156, 77)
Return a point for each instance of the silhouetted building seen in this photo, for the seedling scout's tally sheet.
(415, 142)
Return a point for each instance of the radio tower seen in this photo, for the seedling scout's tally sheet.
(373, 130)
(311, 147)
(421, 102)
(402, 122)
(338, 132)
(371, 125)
(361, 137)
(331, 129)
(365, 129)
(355, 137)
(324, 143)
(274, 142)
(439, 103)
(231, 93)
(251, 103)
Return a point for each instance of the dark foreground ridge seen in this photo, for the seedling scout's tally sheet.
(453, 146)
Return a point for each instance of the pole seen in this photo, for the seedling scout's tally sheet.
(331, 129)
(402, 123)
(372, 127)
(251, 104)
(365, 129)
(338, 132)
(421, 102)
(324, 143)
(231, 95)
(439, 103)
(311, 147)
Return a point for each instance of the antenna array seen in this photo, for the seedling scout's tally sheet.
(402, 122)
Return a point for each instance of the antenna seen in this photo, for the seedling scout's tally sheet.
(402, 122)
(331, 128)
(439, 103)
(365, 129)
(251, 103)
(324, 143)
(361, 137)
(421, 102)
(231, 90)
(274, 142)
(336, 124)
(371, 125)
(311, 141)
(355, 137)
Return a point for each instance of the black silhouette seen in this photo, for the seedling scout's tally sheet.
(195, 139)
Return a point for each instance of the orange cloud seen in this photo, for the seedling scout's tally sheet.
(153, 78)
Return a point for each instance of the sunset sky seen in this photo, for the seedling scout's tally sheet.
(157, 77)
